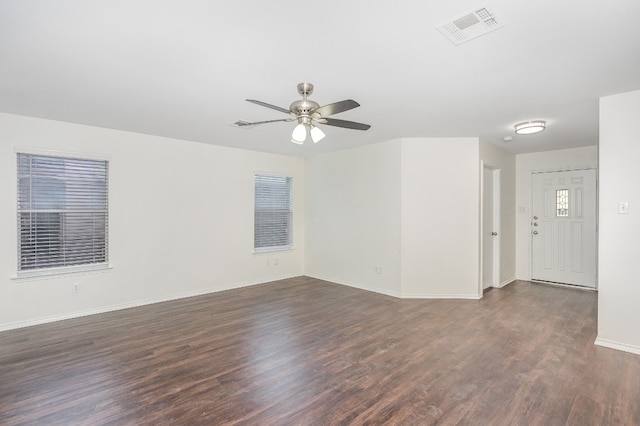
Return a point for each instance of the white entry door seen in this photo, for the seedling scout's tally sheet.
(563, 227)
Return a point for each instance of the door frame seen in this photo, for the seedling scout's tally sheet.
(495, 281)
(530, 236)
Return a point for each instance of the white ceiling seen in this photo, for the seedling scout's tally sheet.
(183, 68)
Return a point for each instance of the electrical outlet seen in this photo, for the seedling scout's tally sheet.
(76, 288)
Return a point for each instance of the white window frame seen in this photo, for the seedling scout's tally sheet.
(67, 269)
(287, 215)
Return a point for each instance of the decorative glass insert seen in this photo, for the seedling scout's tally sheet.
(562, 203)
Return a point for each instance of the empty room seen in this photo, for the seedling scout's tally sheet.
(254, 213)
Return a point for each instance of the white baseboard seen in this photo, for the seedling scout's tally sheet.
(137, 303)
(506, 282)
(618, 346)
(442, 296)
(396, 294)
(354, 285)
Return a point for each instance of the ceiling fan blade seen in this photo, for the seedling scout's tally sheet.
(264, 104)
(336, 107)
(344, 123)
(242, 123)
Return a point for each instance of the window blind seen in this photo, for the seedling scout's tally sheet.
(273, 213)
(62, 211)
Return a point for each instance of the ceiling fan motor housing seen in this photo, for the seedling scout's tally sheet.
(303, 107)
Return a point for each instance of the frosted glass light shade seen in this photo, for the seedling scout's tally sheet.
(299, 134)
(316, 134)
(530, 127)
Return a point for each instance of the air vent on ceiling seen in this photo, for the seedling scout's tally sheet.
(471, 25)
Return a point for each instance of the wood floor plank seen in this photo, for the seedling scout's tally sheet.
(308, 352)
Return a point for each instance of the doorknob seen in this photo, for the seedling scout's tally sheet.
(535, 218)
(494, 233)
(535, 223)
(535, 232)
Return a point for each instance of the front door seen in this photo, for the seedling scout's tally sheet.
(563, 227)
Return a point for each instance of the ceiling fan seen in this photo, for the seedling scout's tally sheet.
(309, 114)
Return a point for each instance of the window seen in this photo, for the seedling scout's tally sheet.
(62, 213)
(562, 203)
(273, 216)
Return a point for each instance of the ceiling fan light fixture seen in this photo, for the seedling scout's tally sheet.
(308, 112)
(316, 134)
(299, 134)
(530, 127)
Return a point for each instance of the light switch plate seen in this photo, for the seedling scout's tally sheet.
(623, 207)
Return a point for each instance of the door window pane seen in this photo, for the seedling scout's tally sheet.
(562, 203)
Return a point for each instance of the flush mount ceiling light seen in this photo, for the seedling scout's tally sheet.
(530, 127)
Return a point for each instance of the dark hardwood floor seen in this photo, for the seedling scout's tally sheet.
(308, 352)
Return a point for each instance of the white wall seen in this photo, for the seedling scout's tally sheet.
(497, 158)
(181, 221)
(440, 217)
(407, 206)
(399, 217)
(586, 157)
(619, 243)
(353, 217)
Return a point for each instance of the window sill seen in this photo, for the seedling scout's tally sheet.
(272, 249)
(43, 274)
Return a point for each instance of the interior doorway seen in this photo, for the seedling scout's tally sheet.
(490, 227)
(563, 227)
